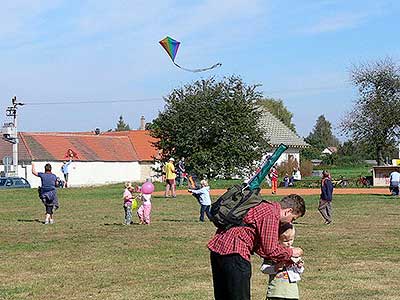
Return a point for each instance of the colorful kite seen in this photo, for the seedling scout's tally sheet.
(171, 46)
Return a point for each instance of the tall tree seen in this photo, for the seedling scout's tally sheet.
(322, 136)
(121, 125)
(214, 125)
(374, 118)
(279, 110)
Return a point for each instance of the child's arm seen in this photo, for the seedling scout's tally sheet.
(198, 192)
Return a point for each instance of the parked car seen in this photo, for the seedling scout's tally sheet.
(13, 183)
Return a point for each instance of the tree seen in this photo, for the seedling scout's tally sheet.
(279, 110)
(322, 136)
(121, 125)
(374, 118)
(214, 125)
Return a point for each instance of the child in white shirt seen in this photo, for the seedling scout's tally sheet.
(283, 278)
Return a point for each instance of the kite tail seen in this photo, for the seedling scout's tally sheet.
(198, 70)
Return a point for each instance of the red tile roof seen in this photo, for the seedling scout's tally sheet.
(141, 141)
(133, 145)
(88, 146)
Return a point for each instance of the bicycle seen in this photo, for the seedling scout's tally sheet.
(364, 181)
(342, 182)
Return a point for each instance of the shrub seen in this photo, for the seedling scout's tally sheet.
(287, 167)
(306, 168)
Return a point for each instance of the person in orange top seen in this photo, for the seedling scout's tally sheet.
(273, 174)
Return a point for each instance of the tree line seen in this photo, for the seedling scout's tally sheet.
(214, 124)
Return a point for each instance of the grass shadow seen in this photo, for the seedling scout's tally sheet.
(178, 221)
(30, 220)
(119, 224)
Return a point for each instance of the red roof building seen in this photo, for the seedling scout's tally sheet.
(101, 158)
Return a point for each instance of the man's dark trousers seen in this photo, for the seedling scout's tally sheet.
(231, 276)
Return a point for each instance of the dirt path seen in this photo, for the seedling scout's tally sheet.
(283, 191)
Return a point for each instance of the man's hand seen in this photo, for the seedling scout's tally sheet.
(297, 252)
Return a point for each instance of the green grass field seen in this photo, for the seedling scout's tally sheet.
(88, 254)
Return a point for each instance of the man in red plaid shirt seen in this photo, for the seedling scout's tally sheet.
(231, 249)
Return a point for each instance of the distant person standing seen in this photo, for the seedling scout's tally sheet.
(296, 176)
(47, 191)
(170, 176)
(325, 202)
(181, 171)
(64, 170)
(394, 182)
(273, 174)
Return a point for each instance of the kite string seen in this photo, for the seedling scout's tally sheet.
(199, 70)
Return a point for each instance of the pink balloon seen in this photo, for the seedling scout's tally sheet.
(147, 188)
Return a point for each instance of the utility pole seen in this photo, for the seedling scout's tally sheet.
(10, 133)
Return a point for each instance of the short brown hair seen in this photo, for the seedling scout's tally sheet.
(47, 167)
(295, 202)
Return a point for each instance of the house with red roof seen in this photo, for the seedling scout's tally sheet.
(101, 158)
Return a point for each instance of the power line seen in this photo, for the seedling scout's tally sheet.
(67, 102)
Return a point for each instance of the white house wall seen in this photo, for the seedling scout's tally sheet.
(87, 173)
(294, 152)
(148, 171)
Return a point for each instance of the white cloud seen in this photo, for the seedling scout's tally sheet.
(19, 17)
(337, 22)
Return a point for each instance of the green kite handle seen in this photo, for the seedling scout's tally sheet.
(256, 180)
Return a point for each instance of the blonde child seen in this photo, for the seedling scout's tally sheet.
(203, 196)
(144, 211)
(127, 197)
(283, 279)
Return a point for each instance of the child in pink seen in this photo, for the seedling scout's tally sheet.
(144, 211)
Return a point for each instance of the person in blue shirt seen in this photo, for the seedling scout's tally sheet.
(64, 170)
(203, 197)
(47, 191)
(325, 201)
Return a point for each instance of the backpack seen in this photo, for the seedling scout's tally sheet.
(230, 208)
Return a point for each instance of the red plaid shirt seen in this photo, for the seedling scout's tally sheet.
(246, 240)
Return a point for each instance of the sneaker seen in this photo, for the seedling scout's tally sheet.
(46, 222)
(328, 222)
(52, 221)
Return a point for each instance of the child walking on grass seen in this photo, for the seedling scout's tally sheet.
(283, 279)
(127, 197)
(203, 196)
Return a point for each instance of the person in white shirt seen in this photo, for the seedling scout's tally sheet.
(296, 176)
(394, 183)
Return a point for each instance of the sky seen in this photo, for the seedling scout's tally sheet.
(78, 65)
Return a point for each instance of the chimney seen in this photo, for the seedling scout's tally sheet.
(142, 123)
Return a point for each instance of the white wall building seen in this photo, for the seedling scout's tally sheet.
(100, 158)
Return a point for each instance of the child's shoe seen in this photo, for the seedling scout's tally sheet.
(52, 221)
(46, 222)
